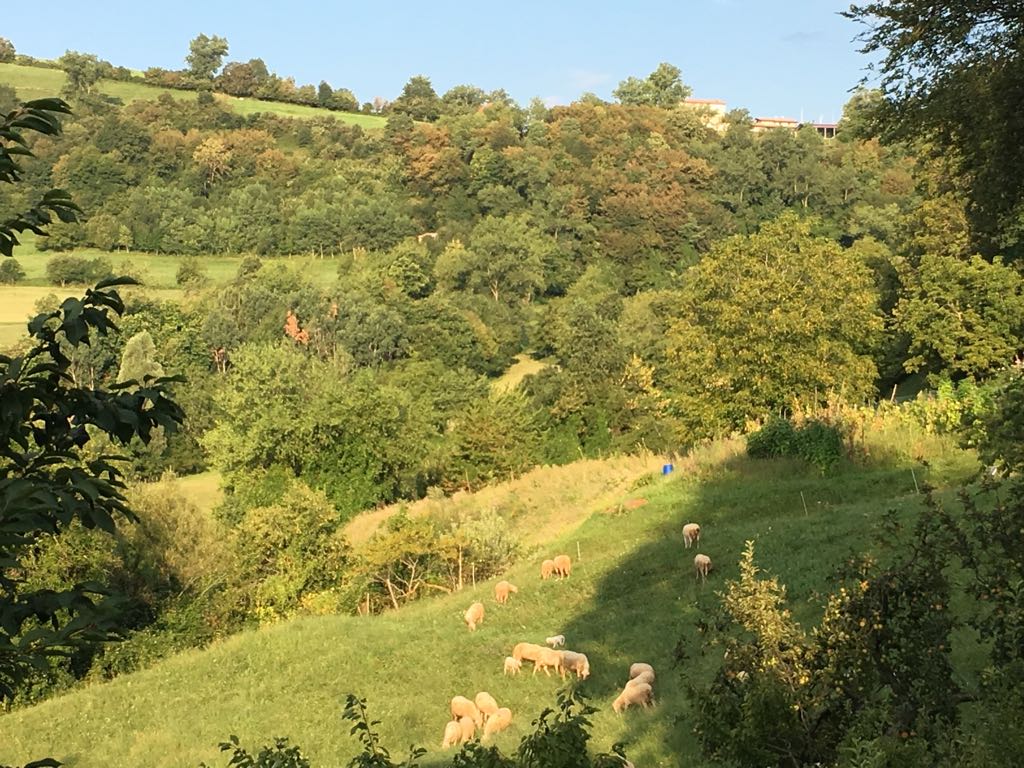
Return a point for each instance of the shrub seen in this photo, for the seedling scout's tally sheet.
(191, 273)
(10, 272)
(815, 442)
(66, 268)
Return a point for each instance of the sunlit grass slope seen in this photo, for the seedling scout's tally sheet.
(631, 597)
(38, 83)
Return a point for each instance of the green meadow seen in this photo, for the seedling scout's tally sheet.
(632, 597)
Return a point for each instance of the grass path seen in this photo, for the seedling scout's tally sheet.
(632, 597)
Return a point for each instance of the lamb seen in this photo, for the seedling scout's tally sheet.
(527, 651)
(555, 641)
(499, 721)
(512, 665)
(468, 728)
(463, 707)
(563, 565)
(576, 662)
(691, 534)
(502, 590)
(474, 615)
(548, 659)
(638, 667)
(486, 704)
(702, 565)
(452, 734)
(633, 694)
(546, 569)
(647, 676)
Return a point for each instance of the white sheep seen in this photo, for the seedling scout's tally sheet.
(499, 721)
(502, 590)
(463, 707)
(633, 694)
(647, 676)
(702, 565)
(546, 569)
(468, 727)
(555, 641)
(486, 704)
(691, 534)
(452, 734)
(638, 667)
(576, 662)
(512, 665)
(474, 615)
(549, 659)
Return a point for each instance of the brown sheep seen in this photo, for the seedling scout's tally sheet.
(452, 734)
(486, 704)
(502, 590)
(468, 726)
(691, 534)
(474, 615)
(548, 659)
(563, 565)
(638, 668)
(647, 676)
(528, 651)
(546, 569)
(499, 721)
(702, 565)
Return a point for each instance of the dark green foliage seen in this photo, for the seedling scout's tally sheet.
(278, 756)
(816, 442)
(10, 271)
(374, 754)
(65, 269)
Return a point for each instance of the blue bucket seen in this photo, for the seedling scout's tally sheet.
(666, 468)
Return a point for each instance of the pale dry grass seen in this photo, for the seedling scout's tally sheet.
(523, 366)
(539, 506)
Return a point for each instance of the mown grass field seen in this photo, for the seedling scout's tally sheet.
(38, 83)
(631, 597)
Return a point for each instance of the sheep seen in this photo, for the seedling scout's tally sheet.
(563, 565)
(499, 721)
(638, 667)
(502, 590)
(468, 727)
(702, 565)
(576, 662)
(474, 615)
(486, 704)
(527, 651)
(452, 734)
(647, 676)
(548, 659)
(512, 665)
(691, 534)
(546, 569)
(463, 707)
(555, 641)
(633, 694)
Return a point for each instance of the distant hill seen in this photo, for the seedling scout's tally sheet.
(631, 597)
(41, 82)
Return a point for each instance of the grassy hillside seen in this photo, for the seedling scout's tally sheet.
(631, 597)
(38, 82)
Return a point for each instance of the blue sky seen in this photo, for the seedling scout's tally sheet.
(773, 57)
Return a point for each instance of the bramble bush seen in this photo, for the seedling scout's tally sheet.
(814, 441)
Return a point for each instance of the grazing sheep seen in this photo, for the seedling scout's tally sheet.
(486, 704)
(691, 534)
(527, 651)
(563, 565)
(638, 667)
(647, 676)
(463, 707)
(452, 734)
(512, 665)
(548, 659)
(555, 641)
(633, 694)
(546, 569)
(468, 726)
(502, 590)
(499, 721)
(474, 615)
(576, 662)
(702, 565)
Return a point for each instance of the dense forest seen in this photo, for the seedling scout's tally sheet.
(678, 280)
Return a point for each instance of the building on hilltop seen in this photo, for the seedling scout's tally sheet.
(762, 124)
(712, 110)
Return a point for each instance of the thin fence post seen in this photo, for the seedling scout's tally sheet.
(804, 502)
(474, 574)
(913, 474)
(578, 555)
